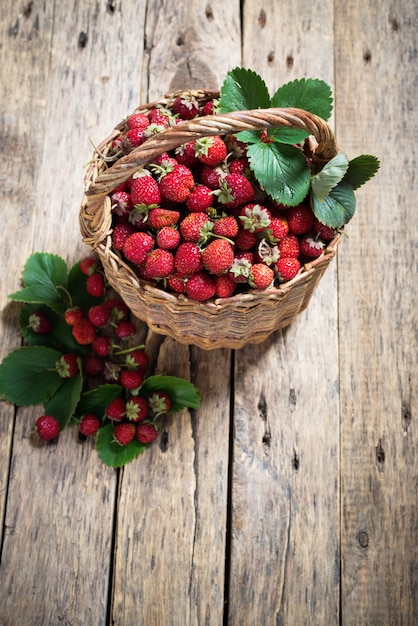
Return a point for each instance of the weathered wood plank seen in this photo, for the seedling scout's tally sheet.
(285, 517)
(378, 315)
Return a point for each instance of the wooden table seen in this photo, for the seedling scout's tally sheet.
(290, 497)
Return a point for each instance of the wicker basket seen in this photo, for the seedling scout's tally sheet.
(233, 322)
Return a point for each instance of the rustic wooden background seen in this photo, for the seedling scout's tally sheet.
(290, 497)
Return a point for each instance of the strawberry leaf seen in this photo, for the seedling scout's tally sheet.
(62, 404)
(329, 176)
(28, 375)
(111, 452)
(310, 94)
(44, 277)
(336, 209)
(96, 400)
(361, 169)
(243, 90)
(182, 393)
(281, 170)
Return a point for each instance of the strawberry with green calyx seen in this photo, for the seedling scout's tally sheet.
(235, 190)
(311, 247)
(39, 322)
(218, 256)
(47, 427)
(241, 268)
(95, 285)
(124, 433)
(261, 276)
(159, 403)
(185, 106)
(137, 408)
(287, 268)
(67, 366)
(267, 254)
(211, 150)
(255, 218)
(89, 265)
(146, 433)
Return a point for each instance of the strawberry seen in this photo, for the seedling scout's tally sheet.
(177, 282)
(218, 256)
(325, 232)
(289, 246)
(89, 265)
(287, 268)
(67, 366)
(188, 259)
(161, 116)
(99, 315)
(279, 228)
(185, 106)
(111, 371)
(133, 138)
(241, 268)
(177, 184)
(89, 425)
(47, 427)
(245, 240)
(159, 264)
(159, 403)
(300, 219)
(185, 155)
(194, 226)
(235, 191)
(124, 433)
(131, 379)
(39, 322)
(121, 203)
(210, 107)
(311, 247)
(146, 433)
(136, 409)
(211, 150)
(200, 199)
(226, 226)
(120, 233)
(93, 365)
(95, 285)
(125, 329)
(158, 218)
(137, 120)
(168, 238)
(200, 287)
(211, 176)
(255, 218)
(239, 166)
(101, 345)
(117, 309)
(137, 359)
(261, 276)
(84, 332)
(73, 315)
(137, 246)
(145, 191)
(225, 286)
(116, 409)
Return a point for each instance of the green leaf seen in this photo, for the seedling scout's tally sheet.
(243, 90)
(336, 209)
(77, 287)
(281, 170)
(28, 375)
(112, 453)
(43, 275)
(60, 336)
(330, 175)
(310, 94)
(62, 404)
(290, 135)
(361, 169)
(96, 400)
(249, 136)
(182, 393)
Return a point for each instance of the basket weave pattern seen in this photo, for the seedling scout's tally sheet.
(232, 322)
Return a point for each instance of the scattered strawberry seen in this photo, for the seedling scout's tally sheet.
(125, 329)
(93, 365)
(89, 265)
(124, 433)
(99, 315)
(137, 359)
(116, 409)
(159, 403)
(131, 379)
(39, 322)
(73, 315)
(101, 345)
(96, 285)
(89, 425)
(47, 427)
(136, 409)
(117, 309)
(146, 433)
(67, 366)
(84, 332)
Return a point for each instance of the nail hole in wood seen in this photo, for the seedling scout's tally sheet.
(367, 56)
(262, 18)
(209, 13)
(289, 61)
(164, 441)
(406, 417)
(363, 539)
(295, 461)
(270, 58)
(27, 10)
(82, 40)
(266, 439)
(110, 7)
(394, 24)
(380, 456)
(262, 407)
(180, 40)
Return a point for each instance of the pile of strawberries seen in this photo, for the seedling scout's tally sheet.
(195, 221)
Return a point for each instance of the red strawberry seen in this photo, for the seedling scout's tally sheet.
(159, 264)
(200, 199)
(121, 203)
(39, 322)
(185, 106)
(146, 433)
(116, 409)
(325, 232)
(117, 309)
(99, 315)
(188, 259)
(185, 155)
(168, 238)
(289, 246)
(311, 247)
(73, 315)
(137, 246)
(125, 329)
(67, 366)
(138, 120)
(102, 345)
(261, 276)
(133, 138)
(131, 379)
(239, 166)
(177, 184)
(89, 265)
(93, 365)
(177, 283)
(241, 268)
(194, 226)
(47, 427)
(300, 219)
(218, 256)
(245, 240)
(200, 287)
(226, 227)
(211, 176)
(95, 285)
(158, 218)
(235, 191)
(160, 116)
(255, 218)
(124, 433)
(225, 286)
(210, 107)
(279, 228)
(287, 268)
(84, 332)
(159, 403)
(136, 409)
(211, 150)
(145, 191)
(89, 425)
(137, 359)
(120, 233)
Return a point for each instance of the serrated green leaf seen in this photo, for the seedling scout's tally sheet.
(45, 278)
(290, 135)
(28, 375)
(77, 287)
(281, 170)
(243, 90)
(96, 400)
(361, 169)
(330, 175)
(62, 404)
(336, 209)
(310, 94)
(249, 136)
(182, 393)
(112, 453)
(60, 336)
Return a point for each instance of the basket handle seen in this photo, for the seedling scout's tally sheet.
(323, 145)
